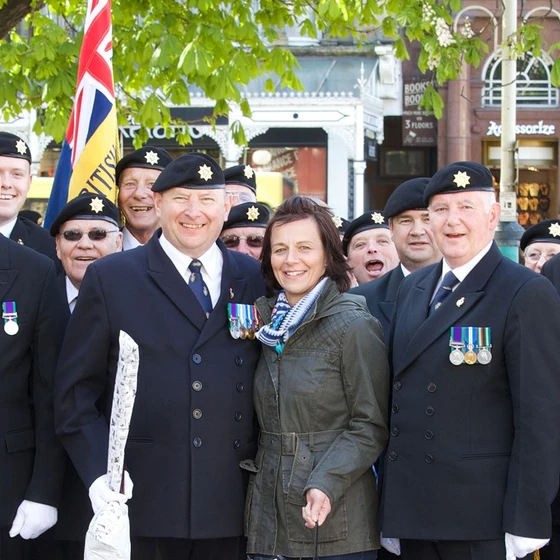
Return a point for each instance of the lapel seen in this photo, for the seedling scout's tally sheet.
(232, 290)
(19, 233)
(423, 330)
(387, 307)
(7, 275)
(170, 282)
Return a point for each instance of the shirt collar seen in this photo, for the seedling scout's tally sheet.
(462, 271)
(129, 241)
(211, 261)
(405, 271)
(71, 291)
(6, 229)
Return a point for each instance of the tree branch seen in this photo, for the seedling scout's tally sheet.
(14, 11)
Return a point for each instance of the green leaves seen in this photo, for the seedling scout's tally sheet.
(432, 102)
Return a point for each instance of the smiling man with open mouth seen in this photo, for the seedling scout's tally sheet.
(135, 174)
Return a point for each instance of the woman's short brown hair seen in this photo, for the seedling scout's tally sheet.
(299, 208)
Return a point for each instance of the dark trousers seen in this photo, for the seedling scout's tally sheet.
(43, 549)
(366, 555)
(13, 549)
(144, 548)
(452, 550)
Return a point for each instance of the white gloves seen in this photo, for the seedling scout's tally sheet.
(32, 519)
(100, 493)
(393, 545)
(519, 547)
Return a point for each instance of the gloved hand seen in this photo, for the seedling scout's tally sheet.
(33, 519)
(519, 547)
(100, 493)
(393, 545)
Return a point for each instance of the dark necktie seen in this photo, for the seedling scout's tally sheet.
(199, 287)
(444, 291)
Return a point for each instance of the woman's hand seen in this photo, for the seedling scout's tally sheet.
(317, 508)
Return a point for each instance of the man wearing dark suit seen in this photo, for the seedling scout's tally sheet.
(193, 416)
(409, 223)
(15, 182)
(472, 464)
(31, 458)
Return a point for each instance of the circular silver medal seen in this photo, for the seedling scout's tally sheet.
(235, 331)
(11, 327)
(456, 357)
(484, 356)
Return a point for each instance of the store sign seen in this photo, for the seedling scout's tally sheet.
(495, 129)
(418, 129)
(158, 132)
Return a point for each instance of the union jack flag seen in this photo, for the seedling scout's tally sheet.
(90, 149)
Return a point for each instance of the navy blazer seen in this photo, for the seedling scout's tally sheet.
(474, 449)
(31, 457)
(193, 415)
(27, 233)
(381, 295)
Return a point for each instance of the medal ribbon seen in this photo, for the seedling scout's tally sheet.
(471, 337)
(9, 311)
(456, 338)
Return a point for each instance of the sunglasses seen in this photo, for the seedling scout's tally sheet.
(232, 241)
(94, 234)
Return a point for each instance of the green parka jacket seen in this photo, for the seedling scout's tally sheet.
(322, 411)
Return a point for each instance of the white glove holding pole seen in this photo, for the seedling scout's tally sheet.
(519, 547)
(393, 545)
(100, 493)
(33, 519)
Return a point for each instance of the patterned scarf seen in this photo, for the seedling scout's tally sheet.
(285, 319)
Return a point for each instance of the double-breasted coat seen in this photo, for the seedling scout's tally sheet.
(192, 421)
(31, 457)
(474, 449)
(381, 295)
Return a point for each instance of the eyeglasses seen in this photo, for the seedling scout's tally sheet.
(232, 241)
(241, 196)
(94, 234)
(535, 256)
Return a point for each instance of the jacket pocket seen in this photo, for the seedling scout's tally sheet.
(20, 440)
(250, 466)
(476, 456)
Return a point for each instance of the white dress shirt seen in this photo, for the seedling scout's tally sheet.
(71, 294)
(6, 229)
(212, 264)
(129, 241)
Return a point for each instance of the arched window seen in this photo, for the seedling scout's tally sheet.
(533, 83)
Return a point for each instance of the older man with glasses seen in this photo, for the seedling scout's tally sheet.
(241, 184)
(244, 229)
(540, 243)
(86, 229)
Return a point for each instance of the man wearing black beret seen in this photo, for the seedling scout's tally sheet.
(193, 415)
(473, 461)
(243, 231)
(540, 243)
(368, 245)
(241, 184)
(409, 223)
(15, 182)
(135, 174)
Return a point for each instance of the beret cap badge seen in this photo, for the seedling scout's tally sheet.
(205, 172)
(461, 179)
(253, 213)
(21, 147)
(96, 205)
(377, 218)
(151, 157)
(554, 229)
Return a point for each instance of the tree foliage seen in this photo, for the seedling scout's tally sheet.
(164, 51)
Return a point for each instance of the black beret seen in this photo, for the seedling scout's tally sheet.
(87, 206)
(407, 196)
(547, 231)
(147, 157)
(241, 175)
(247, 214)
(191, 171)
(13, 146)
(32, 215)
(372, 219)
(459, 177)
(341, 223)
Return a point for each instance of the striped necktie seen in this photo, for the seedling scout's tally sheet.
(199, 287)
(444, 291)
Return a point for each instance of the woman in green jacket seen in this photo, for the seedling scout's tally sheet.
(321, 392)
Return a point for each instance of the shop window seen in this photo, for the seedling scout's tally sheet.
(533, 83)
(404, 163)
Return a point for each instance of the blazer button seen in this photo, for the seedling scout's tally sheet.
(429, 458)
(394, 431)
(197, 386)
(239, 360)
(393, 455)
(397, 385)
(197, 442)
(430, 411)
(238, 416)
(432, 387)
(395, 408)
(428, 434)
(236, 444)
(197, 414)
(240, 387)
(197, 358)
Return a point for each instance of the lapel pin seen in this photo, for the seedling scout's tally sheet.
(460, 302)
(231, 294)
